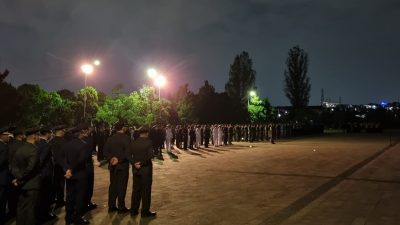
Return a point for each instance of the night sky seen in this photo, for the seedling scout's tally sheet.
(353, 45)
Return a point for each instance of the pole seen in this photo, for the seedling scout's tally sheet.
(84, 99)
(159, 93)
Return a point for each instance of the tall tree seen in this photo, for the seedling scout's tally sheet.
(204, 101)
(183, 103)
(242, 78)
(9, 99)
(297, 85)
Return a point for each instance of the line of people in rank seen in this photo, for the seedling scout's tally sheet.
(37, 165)
(193, 136)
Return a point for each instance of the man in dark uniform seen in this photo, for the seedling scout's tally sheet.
(76, 175)
(101, 140)
(46, 195)
(116, 152)
(57, 143)
(4, 174)
(12, 195)
(140, 156)
(185, 136)
(207, 135)
(89, 139)
(25, 170)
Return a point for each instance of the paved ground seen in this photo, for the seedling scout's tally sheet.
(334, 179)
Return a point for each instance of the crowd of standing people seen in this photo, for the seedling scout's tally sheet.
(45, 168)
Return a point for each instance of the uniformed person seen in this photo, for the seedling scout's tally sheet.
(116, 152)
(12, 195)
(76, 175)
(46, 195)
(89, 170)
(26, 172)
(57, 143)
(4, 174)
(140, 156)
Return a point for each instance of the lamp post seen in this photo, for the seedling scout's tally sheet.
(87, 69)
(158, 79)
(251, 94)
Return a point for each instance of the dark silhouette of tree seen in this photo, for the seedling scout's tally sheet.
(184, 104)
(297, 84)
(242, 78)
(204, 104)
(9, 99)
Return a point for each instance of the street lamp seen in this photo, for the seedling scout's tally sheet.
(152, 73)
(160, 81)
(251, 94)
(87, 69)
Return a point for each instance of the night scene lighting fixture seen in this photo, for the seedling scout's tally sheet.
(87, 69)
(160, 81)
(252, 93)
(96, 62)
(152, 73)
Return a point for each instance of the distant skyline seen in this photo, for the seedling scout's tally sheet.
(353, 45)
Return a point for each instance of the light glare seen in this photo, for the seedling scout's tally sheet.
(97, 62)
(160, 81)
(87, 69)
(152, 73)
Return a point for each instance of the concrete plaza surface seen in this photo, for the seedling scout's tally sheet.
(332, 179)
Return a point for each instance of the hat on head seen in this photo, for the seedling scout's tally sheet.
(45, 130)
(18, 131)
(33, 130)
(60, 127)
(79, 128)
(5, 130)
(143, 129)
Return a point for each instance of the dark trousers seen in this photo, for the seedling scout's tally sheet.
(142, 181)
(76, 204)
(119, 176)
(46, 196)
(206, 141)
(3, 201)
(26, 207)
(59, 183)
(12, 199)
(90, 184)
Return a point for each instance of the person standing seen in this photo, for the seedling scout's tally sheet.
(140, 156)
(207, 135)
(26, 172)
(4, 174)
(198, 136)
(46, 195)
(168, 138)
(116, 151)
(12, 195)
(76, 175)
(57, 143)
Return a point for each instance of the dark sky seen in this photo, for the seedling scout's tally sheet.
(353, 45)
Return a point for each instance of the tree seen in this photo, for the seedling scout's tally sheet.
(39, 107)
(137, 108)
(92, 106)
(297, 85)
(242, 78)
(9, 98)
(183, 103)
(204, 101)
(260, 111)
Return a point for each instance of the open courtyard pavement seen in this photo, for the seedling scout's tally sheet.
(341, 179)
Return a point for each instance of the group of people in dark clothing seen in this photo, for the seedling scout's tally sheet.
(39, 165)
